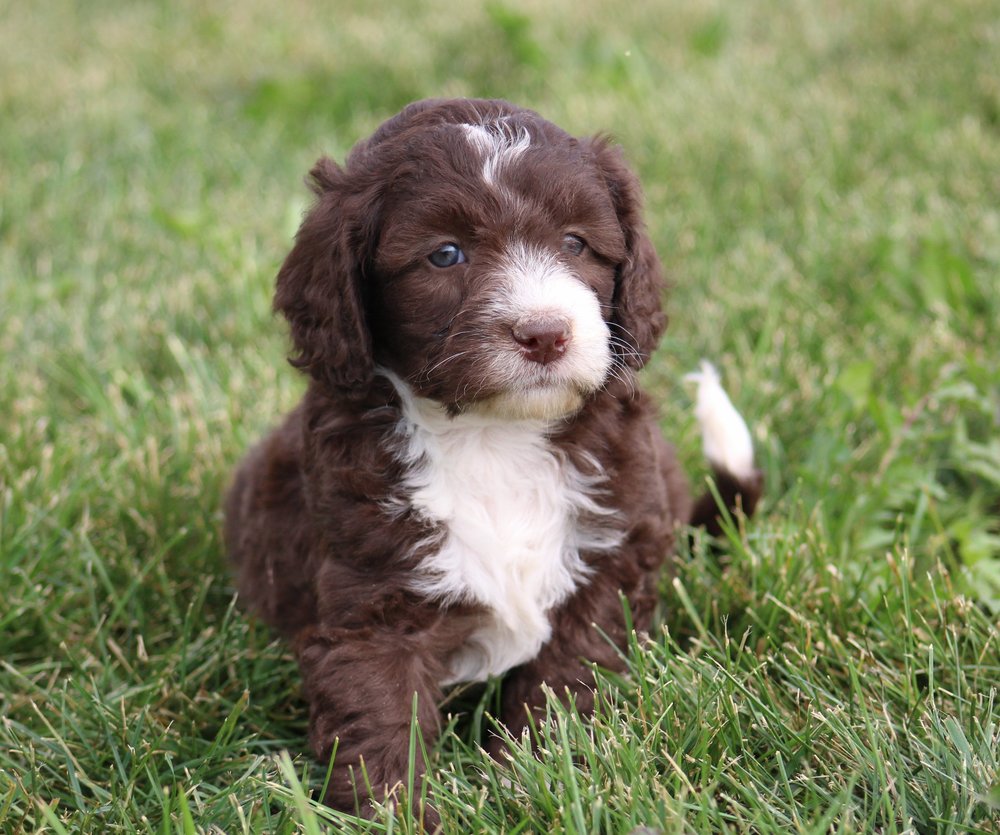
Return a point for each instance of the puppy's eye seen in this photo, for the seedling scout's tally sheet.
(447, 256)
(573, 244)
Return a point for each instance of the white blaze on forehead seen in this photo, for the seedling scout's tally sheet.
(498, 143)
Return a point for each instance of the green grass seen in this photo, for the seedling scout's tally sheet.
(822, 183)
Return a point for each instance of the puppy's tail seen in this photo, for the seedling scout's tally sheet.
(729, 450)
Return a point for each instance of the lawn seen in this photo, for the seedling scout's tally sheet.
(823, 184)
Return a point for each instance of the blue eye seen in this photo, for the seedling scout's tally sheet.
(573, 244)
(447, 256)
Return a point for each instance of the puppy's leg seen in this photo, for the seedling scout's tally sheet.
(267, 534)
(586, 630)
(361, 683)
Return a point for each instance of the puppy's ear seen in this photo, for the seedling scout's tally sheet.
(638, 319)
(319, 288)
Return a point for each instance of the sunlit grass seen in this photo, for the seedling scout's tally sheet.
(822, 184)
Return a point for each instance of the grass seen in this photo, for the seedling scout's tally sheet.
(822, 184)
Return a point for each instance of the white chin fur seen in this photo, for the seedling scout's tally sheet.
(545, 403)
(725, 436)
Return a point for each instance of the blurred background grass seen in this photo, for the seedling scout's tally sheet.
(822, 183)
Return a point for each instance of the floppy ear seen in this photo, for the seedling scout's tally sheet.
(319, 286)
(638, 317)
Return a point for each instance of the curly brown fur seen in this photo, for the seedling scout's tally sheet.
(473, 476)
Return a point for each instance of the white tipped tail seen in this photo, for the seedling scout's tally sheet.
(725, 436)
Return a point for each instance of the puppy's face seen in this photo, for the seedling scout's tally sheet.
(480, 253)
(494, 271)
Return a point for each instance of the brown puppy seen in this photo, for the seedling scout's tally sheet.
(473, 475)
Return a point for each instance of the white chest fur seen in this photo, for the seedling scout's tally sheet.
(515, 517)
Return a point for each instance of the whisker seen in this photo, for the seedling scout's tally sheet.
(623, 329)
(617, 340)
(626, 378)
(425, 374)
(625, 350)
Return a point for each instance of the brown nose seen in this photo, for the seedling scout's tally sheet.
(542, 338)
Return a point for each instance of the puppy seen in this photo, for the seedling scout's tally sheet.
(473, 476)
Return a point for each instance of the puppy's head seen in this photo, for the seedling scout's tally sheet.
(481, 254)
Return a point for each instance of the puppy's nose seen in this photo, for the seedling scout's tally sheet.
(542, 338)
